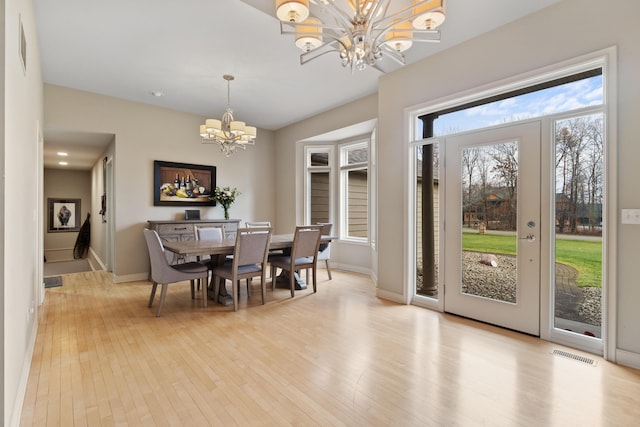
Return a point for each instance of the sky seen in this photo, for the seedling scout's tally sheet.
(567, 97)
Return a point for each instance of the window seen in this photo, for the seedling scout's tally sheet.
(354, 194)
(318, 185)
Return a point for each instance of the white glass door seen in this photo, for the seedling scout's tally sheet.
(492, 243)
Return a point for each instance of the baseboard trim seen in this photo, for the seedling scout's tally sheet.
(628, 358)
(391, 296)
(137, 277)
(94, 257)
(16, 415)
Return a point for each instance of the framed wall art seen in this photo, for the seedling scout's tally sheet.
(64, 215)
(183, 184)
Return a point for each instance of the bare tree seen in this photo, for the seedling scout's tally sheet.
(469, 163)
(572, 138)
(594, 169)
(505, 157)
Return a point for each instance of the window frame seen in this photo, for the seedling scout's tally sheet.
(309, 150)
(345, 167)
(607, 60)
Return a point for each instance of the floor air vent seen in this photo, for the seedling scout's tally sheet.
(574, 357)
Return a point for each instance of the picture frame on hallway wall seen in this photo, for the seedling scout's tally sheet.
(183, 184)
(64, 215)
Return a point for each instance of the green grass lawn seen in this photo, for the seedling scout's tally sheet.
(583, 255)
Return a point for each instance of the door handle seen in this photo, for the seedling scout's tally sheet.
(530, 237)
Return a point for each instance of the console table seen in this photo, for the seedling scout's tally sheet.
(182, 230)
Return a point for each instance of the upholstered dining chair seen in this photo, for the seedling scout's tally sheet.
(252, 224)
(164, 273)
(212, 233)
(324, 251)
(249, 260)
(304, 254)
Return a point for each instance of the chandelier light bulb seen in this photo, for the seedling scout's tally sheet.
(399, 38)
(429, 15)
(292, 10)
(309, 34)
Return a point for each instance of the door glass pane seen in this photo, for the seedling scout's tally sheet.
(427, 218)
(489, 216)
(579, 186)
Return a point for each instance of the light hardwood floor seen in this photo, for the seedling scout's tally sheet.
(339, 357)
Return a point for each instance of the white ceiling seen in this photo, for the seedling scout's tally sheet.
(128, 49)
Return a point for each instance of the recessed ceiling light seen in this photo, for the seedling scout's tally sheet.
(63, 163)
(157, 93)
(62, 153)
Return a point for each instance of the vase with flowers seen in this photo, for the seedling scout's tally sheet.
(225, 196)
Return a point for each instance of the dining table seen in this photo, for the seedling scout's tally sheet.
(218, 250)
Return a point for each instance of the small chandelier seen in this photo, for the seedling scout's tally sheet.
(229, 134)
(361, 31)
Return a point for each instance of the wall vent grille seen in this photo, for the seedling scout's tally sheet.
(574, 357)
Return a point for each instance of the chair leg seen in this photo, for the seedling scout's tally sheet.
(205, 297)
(273, 278)
(292, 279)
(315, 277)
(153, 294)
(234, 291)
(163, 295)
(263, 285)
(248, 288)
(326, 262)
(193, 292)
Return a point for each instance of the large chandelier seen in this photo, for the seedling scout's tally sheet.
(228, 133)
(361, 31)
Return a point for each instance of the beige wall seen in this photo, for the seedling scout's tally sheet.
(143, 134)
(65, 184)
(553, 35)
(21, 202)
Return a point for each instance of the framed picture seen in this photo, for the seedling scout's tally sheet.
(183, 184)
(64, 215)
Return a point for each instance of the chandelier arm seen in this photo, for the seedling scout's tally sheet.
(434, 33)
(369, 22)
(389, 22)
(373, 11)
(289, 28)
(389, 26)
(316, 53)
(395, 55)
(343, 20)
